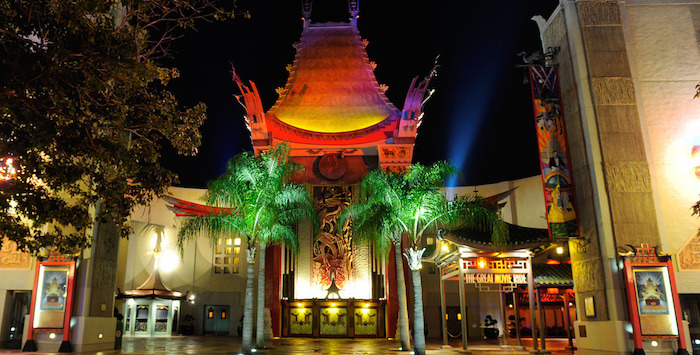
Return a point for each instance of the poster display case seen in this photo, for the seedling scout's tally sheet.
(653, 302)
(52, 301)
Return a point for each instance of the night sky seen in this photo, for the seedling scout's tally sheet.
(480, 117)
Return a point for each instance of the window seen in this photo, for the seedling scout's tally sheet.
(226, 255)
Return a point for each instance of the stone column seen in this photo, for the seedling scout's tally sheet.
(611, 176)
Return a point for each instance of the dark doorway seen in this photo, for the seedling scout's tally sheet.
(15, 319)
(454, 322)
(217, 319)
(690, 306)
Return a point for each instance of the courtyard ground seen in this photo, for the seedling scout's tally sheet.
(287, 346)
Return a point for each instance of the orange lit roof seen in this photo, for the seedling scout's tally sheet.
(332, 88)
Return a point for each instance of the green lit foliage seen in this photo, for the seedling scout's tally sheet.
(85, 109)
(259, 202)
(409, 204)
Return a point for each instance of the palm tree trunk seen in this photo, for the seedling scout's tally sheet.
(415, 263)
(403, 302)
(247, 341)
(418, 322)
(260, 318)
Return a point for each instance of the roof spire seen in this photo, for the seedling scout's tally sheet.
(306, 11)
(354, 8)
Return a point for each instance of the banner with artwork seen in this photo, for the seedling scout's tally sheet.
(554, 153)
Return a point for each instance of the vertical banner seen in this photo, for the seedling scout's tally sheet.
(554, 153)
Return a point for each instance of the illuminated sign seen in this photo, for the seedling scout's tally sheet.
(487, 278)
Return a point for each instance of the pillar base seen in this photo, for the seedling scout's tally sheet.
(65, 347)
(29, 346)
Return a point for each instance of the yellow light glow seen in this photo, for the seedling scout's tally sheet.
(299, 304)
(237, 241)
(445, 248)
(654, 343)
(365, 310)
(510, 306)
(168, 261)
(332, 304)
(52, 336)
(99, 336)
(459, 316)
(366, 305)
(447, 316)
(560, 250)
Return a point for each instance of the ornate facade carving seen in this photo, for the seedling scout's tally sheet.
(12, 258)
(689, 254)
(333, 253)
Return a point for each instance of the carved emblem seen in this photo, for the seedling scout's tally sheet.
(11, 258)
(332, 166)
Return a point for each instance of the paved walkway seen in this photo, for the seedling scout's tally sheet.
(287, 346)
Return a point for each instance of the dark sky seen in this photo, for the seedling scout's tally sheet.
(480, 117)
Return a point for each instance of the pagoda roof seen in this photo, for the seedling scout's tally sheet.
(519, 237)
(332, 89)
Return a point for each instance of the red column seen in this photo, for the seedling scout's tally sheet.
(273, 275)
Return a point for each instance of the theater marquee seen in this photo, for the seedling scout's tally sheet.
(496, 278)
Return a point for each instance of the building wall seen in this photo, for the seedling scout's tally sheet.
(665, 55)
(192, 271)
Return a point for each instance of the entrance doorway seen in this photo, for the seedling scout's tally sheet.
(216, 319)
(15, 320)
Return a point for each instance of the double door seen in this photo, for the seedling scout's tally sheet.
(217, 319)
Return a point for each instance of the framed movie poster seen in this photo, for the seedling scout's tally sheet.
(52, 291)
(655, 301)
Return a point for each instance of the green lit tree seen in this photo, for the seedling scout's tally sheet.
(393, 206)
(85, 109)
(260, 204)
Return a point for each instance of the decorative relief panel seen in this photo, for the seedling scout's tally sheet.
(395, 153)
(334, 321)
(300, 321)
(689, 255)
(11, 258)
(366, 321)
(333, 255)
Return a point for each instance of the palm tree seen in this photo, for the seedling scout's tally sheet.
(409, 204)
(255, 200)
(373, 220)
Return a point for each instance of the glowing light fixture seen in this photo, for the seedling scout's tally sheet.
(481, 263)
(333, 304)
(445, 248)
(696, 341)
(52, 336)
(560, 250)
(299, 304)
(237, 241)
(7, 169)
(510, 306)
(459, 316)
(366, 305)
(654, 343)
(99, 336)
(571, 304)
